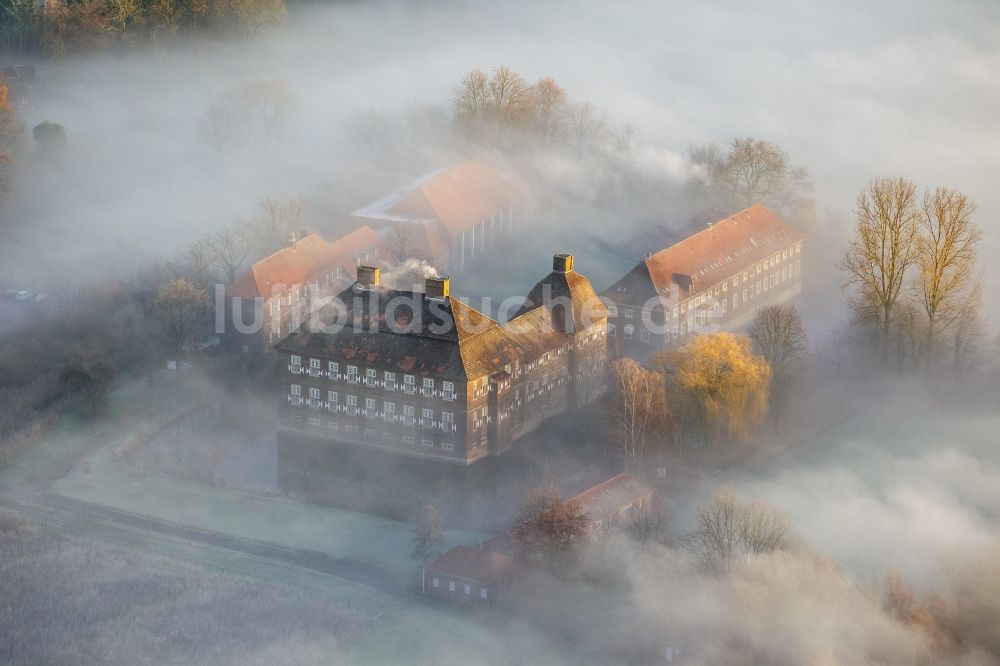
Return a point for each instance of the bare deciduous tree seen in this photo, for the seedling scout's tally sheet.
(779, 337)
(548, 527)
(751, 172)
(728, 528)
(587, 126)
(640, 408)
(946, 284)
(550, 109)
(252, 17)
(472, 94)
(400, 245)
(278, 223)
(228, 251)
(651, 525)
(510, 97)
(176, 306)
(884, 247)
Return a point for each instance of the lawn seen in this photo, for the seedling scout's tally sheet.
(107, 479)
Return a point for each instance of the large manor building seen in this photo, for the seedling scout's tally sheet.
(716, 279)
(426, 375)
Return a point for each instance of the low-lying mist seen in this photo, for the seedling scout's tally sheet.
(880, 472)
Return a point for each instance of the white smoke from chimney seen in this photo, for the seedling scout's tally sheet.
(408, 275)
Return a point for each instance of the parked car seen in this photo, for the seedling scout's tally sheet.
(22, 296)
(9, 293)
(41, 297)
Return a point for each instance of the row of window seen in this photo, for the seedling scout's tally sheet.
(703, 314)
(483, 594)
(371, 404)
(371, 376)
(629, 312)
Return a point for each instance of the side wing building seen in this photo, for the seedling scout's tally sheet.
(717, 278)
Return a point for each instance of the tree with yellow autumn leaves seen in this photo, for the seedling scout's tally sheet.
(719, 388)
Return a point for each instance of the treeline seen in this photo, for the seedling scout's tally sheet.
(912, 280)
(59, 27)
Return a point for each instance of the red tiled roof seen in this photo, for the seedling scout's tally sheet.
(288, 266)
(460, 197)
(725, 248)
(301, 260)
(472, 563)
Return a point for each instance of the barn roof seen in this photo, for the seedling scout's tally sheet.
(472, 563)
(610, 496)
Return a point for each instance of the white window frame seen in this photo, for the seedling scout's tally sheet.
(296, 389)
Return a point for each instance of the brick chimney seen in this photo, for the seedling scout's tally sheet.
(562, 263)
(368, 277)
(437, 287)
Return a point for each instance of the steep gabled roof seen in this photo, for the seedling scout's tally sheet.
(726, 247)
(560, 289)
